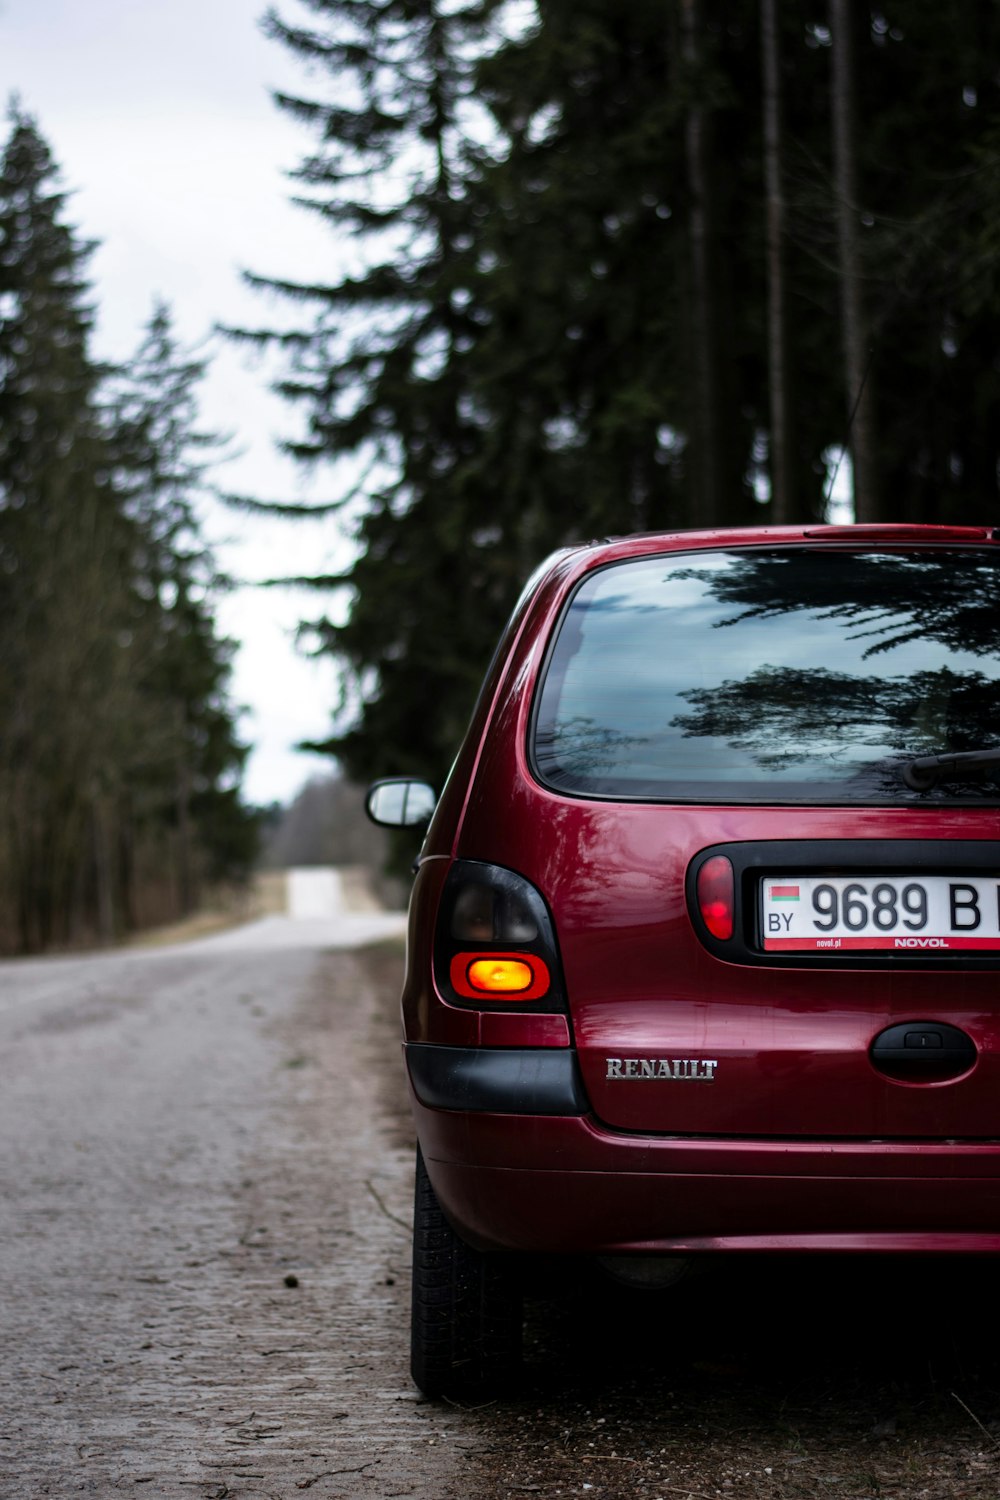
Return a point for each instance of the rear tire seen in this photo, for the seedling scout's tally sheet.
(466, 1320)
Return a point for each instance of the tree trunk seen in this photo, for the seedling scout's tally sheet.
(185, 843)
(856, 332)
(708, 424)
(782, 462)
(104, 874)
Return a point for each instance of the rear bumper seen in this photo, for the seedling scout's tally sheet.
(497, 1080)
(549, 1182)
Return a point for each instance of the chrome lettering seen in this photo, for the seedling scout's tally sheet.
(678, 1069)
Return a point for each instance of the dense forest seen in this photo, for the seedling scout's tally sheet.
(595, 268)
(119, 757)
(610, 267)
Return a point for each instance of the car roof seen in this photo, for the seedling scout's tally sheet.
(749, 536)
(574, 560)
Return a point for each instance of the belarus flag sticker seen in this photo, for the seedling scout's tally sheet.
(784, 893)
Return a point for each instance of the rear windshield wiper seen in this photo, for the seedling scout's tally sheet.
(926, 770)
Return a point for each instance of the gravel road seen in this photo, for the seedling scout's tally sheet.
(205, 1178)
(205, 1188)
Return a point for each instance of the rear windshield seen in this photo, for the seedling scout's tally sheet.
(793, 675)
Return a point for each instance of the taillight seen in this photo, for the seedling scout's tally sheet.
(499, 976)
(716, 890)
(495, 943)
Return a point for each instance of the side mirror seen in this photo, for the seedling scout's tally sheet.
(400, 803)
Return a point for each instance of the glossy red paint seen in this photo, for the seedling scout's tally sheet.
(731, 1105)
(602, 1191)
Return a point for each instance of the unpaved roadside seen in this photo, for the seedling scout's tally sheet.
(205, 1170)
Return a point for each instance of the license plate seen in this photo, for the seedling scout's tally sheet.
(892, 913)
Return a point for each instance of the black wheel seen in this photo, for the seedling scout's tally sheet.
(466, 1322)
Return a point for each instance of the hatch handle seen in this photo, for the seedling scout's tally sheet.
(917, 1047)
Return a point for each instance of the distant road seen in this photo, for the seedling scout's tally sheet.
(315, 893)
(327, 908)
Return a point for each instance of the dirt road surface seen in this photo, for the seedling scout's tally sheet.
(205, 1178)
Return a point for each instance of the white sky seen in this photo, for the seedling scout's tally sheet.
(159, 113)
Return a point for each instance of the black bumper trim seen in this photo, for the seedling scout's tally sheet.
(495, 1080)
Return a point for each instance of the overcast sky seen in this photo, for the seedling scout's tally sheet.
(161, 119)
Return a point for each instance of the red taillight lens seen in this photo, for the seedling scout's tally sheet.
(499, 976)
(717, 896)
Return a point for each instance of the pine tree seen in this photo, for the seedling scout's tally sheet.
(190, 785)
(558, 324)
(928, 100)
(381, 366)
(106, 635)
(66, 606)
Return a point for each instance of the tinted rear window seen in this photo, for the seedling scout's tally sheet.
(795, 675)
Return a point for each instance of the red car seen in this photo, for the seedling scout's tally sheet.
(704, 950)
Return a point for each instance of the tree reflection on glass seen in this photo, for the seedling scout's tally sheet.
(578, 750)
(888, 598)
(786, 719)
(799, 673)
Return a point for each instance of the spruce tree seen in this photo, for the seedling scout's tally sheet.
(928, 100)
(557, 324)
(380, 366)
(113, 678)
(190, 784)
(66, 603)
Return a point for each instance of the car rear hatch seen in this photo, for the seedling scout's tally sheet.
(681, 1032)
(755, 711)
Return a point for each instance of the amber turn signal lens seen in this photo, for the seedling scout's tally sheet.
(504, 975)
(717, 896)
(499, 976)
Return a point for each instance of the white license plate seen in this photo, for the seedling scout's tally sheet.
(893, 913)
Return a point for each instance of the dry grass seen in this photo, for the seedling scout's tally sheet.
(225, 907)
